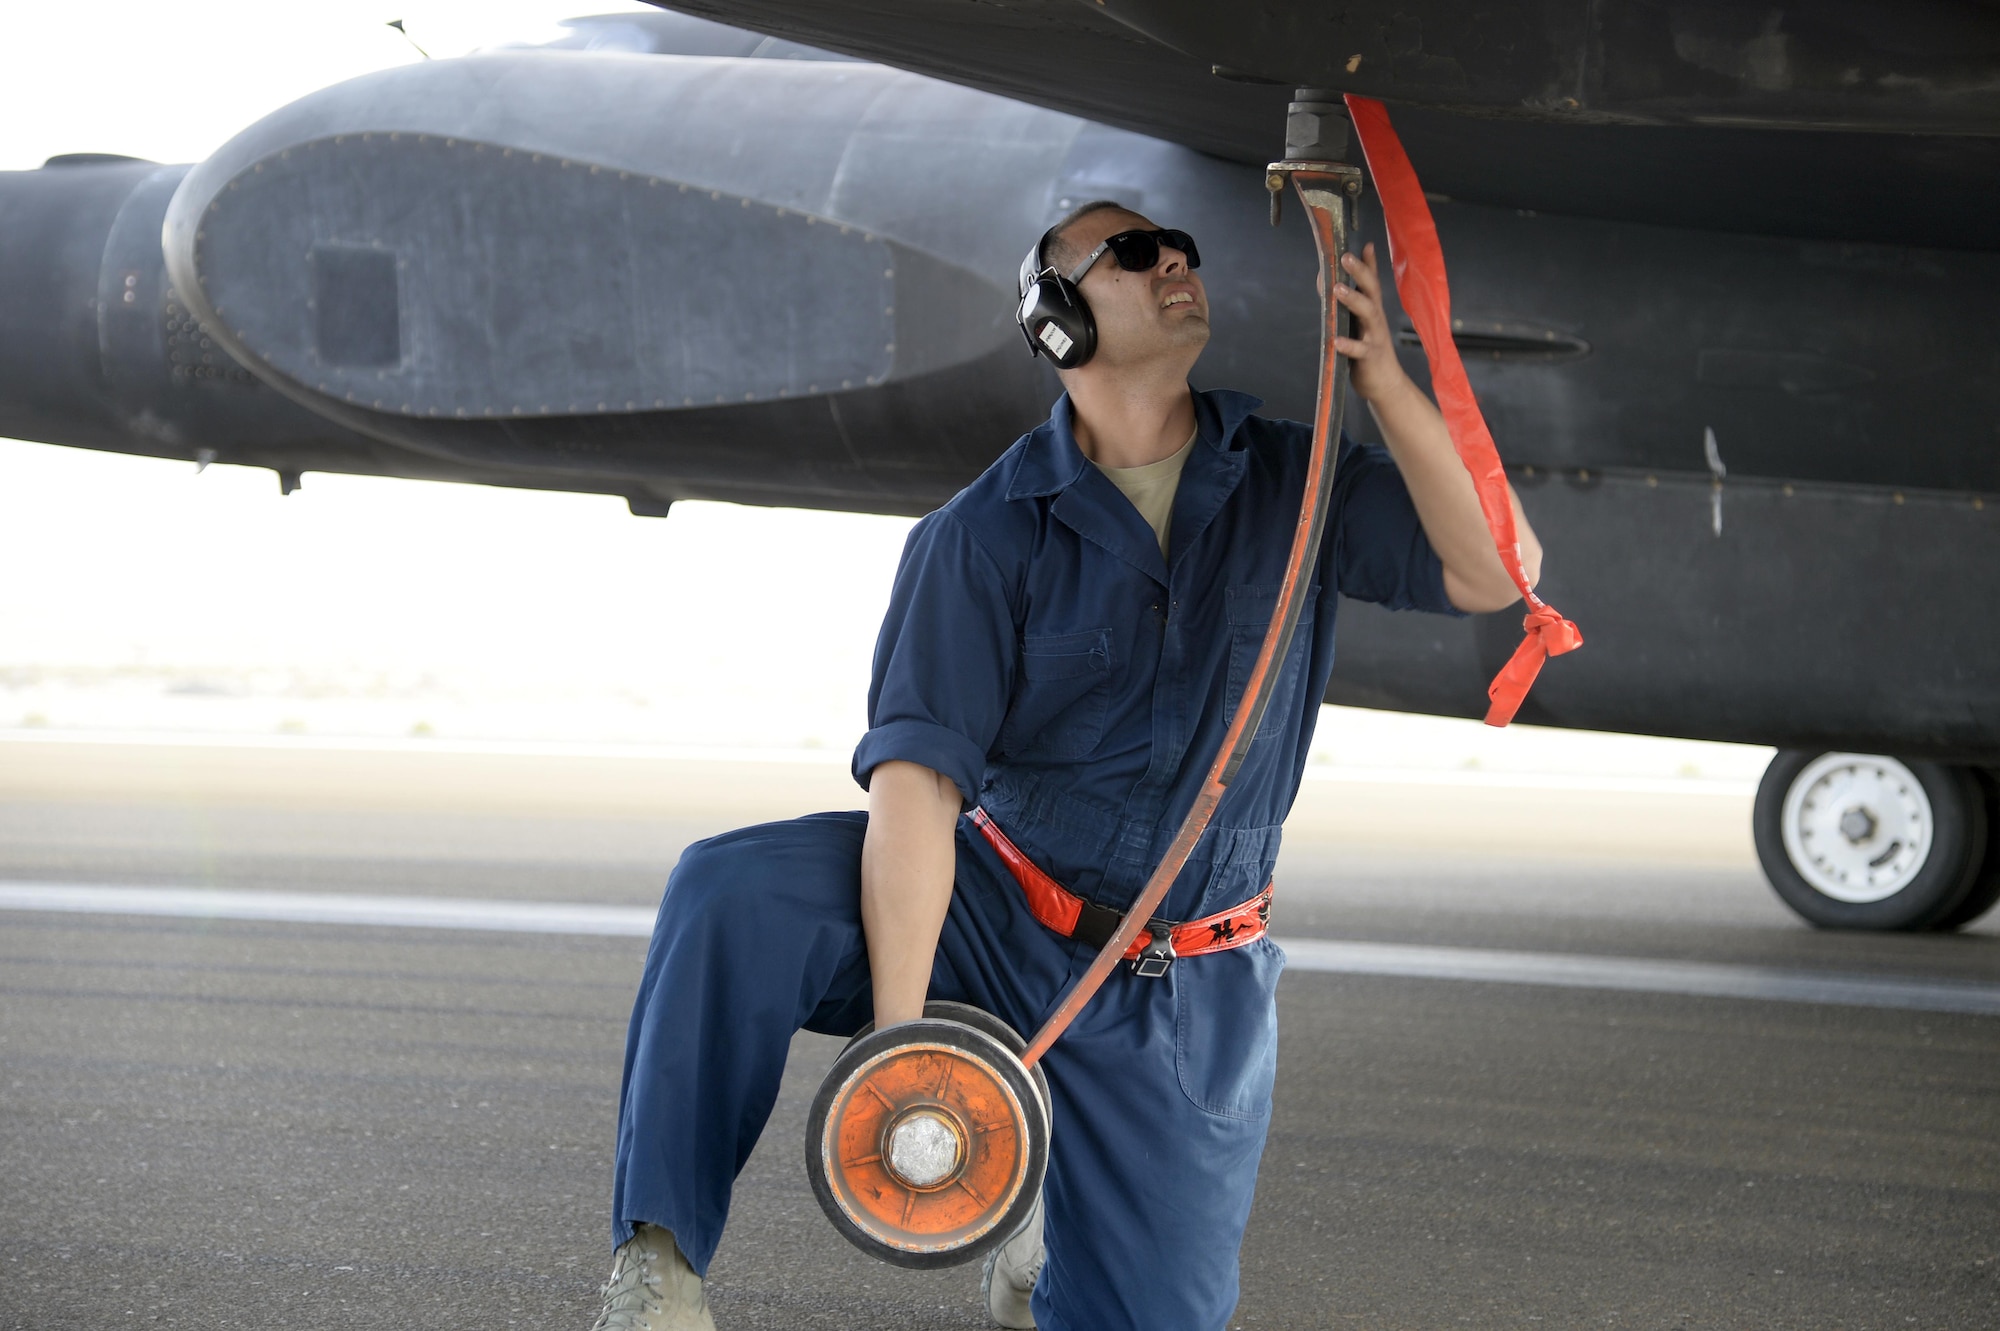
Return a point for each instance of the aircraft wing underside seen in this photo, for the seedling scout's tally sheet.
(1760, 118)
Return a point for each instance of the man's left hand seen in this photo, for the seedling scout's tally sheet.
(1370, 349)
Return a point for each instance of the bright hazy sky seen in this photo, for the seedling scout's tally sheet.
(174, 82)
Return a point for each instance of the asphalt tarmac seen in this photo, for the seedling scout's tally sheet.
(209, 1123)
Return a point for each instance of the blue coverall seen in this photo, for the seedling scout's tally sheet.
(1041, 653)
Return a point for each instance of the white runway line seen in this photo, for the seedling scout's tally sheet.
(1641, 975)
(530, 917)
(1485, 965)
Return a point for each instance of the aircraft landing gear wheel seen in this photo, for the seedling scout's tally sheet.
(928, 1142)
(1985, 893)
(1862, 841)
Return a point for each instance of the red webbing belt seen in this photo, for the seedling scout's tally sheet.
(1418, 263)
(1062, 910)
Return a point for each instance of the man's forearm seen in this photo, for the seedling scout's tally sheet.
(908, 861)
(1447, 501)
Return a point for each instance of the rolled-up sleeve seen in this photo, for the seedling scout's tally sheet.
(1379, 551)
(944, 664)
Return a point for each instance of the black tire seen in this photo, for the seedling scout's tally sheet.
(1985, 893)
(1935, 891)
(980, 1020)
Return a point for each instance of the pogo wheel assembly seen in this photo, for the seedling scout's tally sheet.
(927, 1143)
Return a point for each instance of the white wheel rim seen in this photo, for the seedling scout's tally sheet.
(1857, 826)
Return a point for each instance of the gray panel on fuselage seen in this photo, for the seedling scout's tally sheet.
(1820, 617)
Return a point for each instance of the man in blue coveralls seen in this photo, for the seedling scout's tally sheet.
(1066, 641)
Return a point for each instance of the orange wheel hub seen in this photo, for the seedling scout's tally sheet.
(925, 1139)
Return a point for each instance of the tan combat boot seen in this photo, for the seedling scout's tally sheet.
(652, 1287)
(1011, 1272)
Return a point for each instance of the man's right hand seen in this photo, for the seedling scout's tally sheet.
(1370, 347)
(908, 862)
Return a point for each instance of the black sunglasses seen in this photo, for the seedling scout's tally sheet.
(1138, 251)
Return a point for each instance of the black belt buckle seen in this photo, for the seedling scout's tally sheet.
(1157, 957)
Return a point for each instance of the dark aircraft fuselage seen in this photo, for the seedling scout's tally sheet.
(789, 281)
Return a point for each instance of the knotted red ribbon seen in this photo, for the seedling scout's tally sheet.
(1417, 261)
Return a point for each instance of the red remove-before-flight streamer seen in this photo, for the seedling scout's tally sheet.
(1418, 264)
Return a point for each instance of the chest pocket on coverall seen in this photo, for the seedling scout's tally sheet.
(1060, 696)
(1250, 610)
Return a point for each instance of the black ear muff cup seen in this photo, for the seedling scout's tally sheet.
(1057, 322)
(1053, 315)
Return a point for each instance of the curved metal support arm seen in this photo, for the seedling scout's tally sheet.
(1324, 188)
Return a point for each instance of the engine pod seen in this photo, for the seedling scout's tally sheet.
(436, 277)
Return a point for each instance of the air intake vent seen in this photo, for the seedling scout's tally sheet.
(1486, 339)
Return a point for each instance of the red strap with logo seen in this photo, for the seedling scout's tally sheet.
(1418, 264)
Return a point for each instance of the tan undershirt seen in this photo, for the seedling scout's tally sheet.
(1151, 488)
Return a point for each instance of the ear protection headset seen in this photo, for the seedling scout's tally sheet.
(1053, 314)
